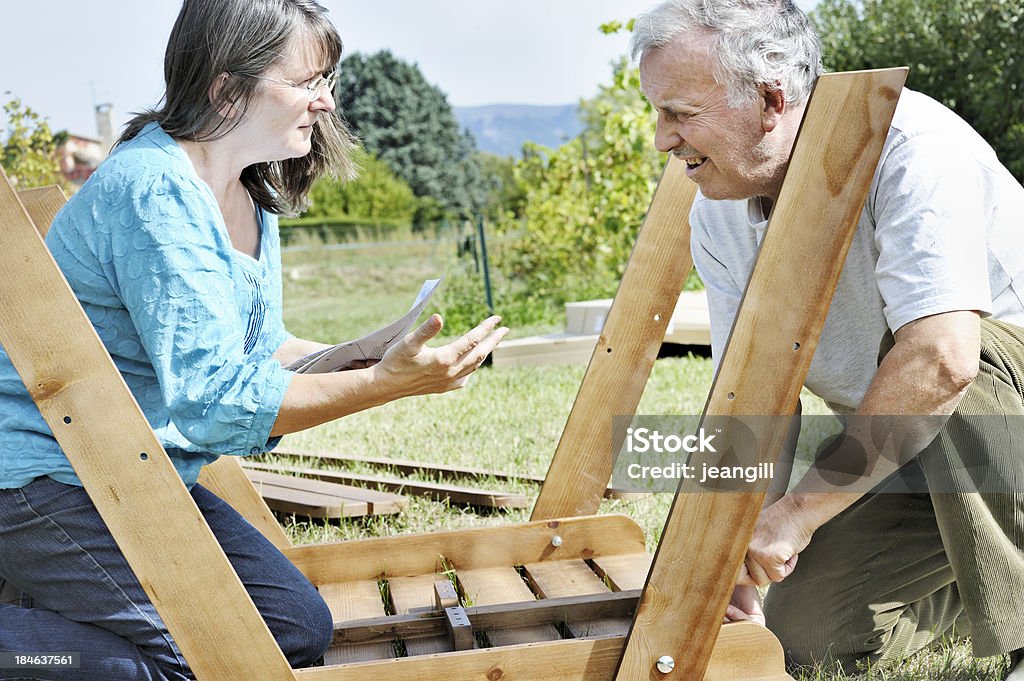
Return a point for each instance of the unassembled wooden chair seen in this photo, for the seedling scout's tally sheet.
(580, 617)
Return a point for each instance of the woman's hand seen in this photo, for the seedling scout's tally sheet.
(411, 367)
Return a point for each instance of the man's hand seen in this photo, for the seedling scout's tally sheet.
(781, 533)
(411, 367)
(745, 606)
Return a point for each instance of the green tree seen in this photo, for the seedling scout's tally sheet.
(967, 54)
(408, 124)
(377, 194)
(583, 206)
(29, 148)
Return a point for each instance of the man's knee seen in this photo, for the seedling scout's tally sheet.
(809, 640)
(812, 635)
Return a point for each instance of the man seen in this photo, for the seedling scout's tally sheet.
(923, 325)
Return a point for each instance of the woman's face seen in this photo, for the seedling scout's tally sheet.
(279, 121)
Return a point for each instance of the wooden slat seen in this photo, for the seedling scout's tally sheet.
(621, 604)
(142, 500)
(625, 352)
(420, 554)
(626, 572)
(352, 601)
(744, 652)
(438, 470)
(377, 503)
(560, 578)
(309, 504)
(765, 363)
(42, 205)
(416, 595)
(490, 586)
(455, 494)
(225, 478)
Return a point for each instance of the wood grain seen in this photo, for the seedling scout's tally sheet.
(625, 352)
(353, 601)
(764, 365)
(42, 205)
(502, 546)
(496, 585)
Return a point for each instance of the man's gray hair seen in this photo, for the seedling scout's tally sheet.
(759, 42)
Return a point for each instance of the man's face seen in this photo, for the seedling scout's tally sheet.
(725, 149)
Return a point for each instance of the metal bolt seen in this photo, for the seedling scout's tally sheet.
(556, 541)
(666, 664)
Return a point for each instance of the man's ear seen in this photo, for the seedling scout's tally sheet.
(224, 108)
(773, 105)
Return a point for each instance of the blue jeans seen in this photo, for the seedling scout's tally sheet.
(84, 598)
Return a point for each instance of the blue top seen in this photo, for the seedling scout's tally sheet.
(190, 322)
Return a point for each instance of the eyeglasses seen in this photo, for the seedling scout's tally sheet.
(312, 88)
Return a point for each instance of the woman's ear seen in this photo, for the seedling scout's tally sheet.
(225, 108)
(773, 105)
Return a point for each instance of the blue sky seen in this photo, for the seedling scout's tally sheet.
(79, 52)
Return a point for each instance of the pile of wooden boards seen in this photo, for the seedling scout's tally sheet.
(584, 320)
(304, 487)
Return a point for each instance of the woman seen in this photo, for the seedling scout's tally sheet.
(173, 252)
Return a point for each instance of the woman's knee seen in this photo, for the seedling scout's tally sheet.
(305, 629)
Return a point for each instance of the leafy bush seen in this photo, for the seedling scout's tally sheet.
(377, 194)
(582, 207)
(28, 154)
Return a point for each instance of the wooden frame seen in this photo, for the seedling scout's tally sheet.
(179, 563)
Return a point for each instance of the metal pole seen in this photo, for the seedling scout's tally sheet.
(487, 269)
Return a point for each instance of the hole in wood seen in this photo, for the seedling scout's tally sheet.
(657, 317)
(67, 419)
(796, 346)
(143, 456)
(731, 396)
(609, 351)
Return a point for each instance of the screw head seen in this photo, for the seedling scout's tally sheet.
(666, 664)
(556, 541)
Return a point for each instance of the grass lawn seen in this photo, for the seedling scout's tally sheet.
(507, 420)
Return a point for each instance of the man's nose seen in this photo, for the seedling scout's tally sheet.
(666, 137)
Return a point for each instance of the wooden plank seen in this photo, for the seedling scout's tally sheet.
(352, 601)
(764, 364)
(122, 465)
(42, 205)
(375, 503)
(560, 578)
(485, 617)
(225, 478)
(626, 572)
(744, 652)
(625, 352)
(439, 470)
(411, 595)
(309, 504)
(420, 554)
(455, 494)
(489, 586)
(552, 348)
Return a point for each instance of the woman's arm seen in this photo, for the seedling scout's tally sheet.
(410, 367)
(297, 348)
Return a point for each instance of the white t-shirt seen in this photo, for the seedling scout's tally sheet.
(942, 230)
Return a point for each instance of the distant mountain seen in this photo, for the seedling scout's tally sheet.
(503, 128)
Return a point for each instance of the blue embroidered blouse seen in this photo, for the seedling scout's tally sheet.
(190, 322)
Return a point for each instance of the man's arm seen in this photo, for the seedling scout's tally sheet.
(927, 372)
